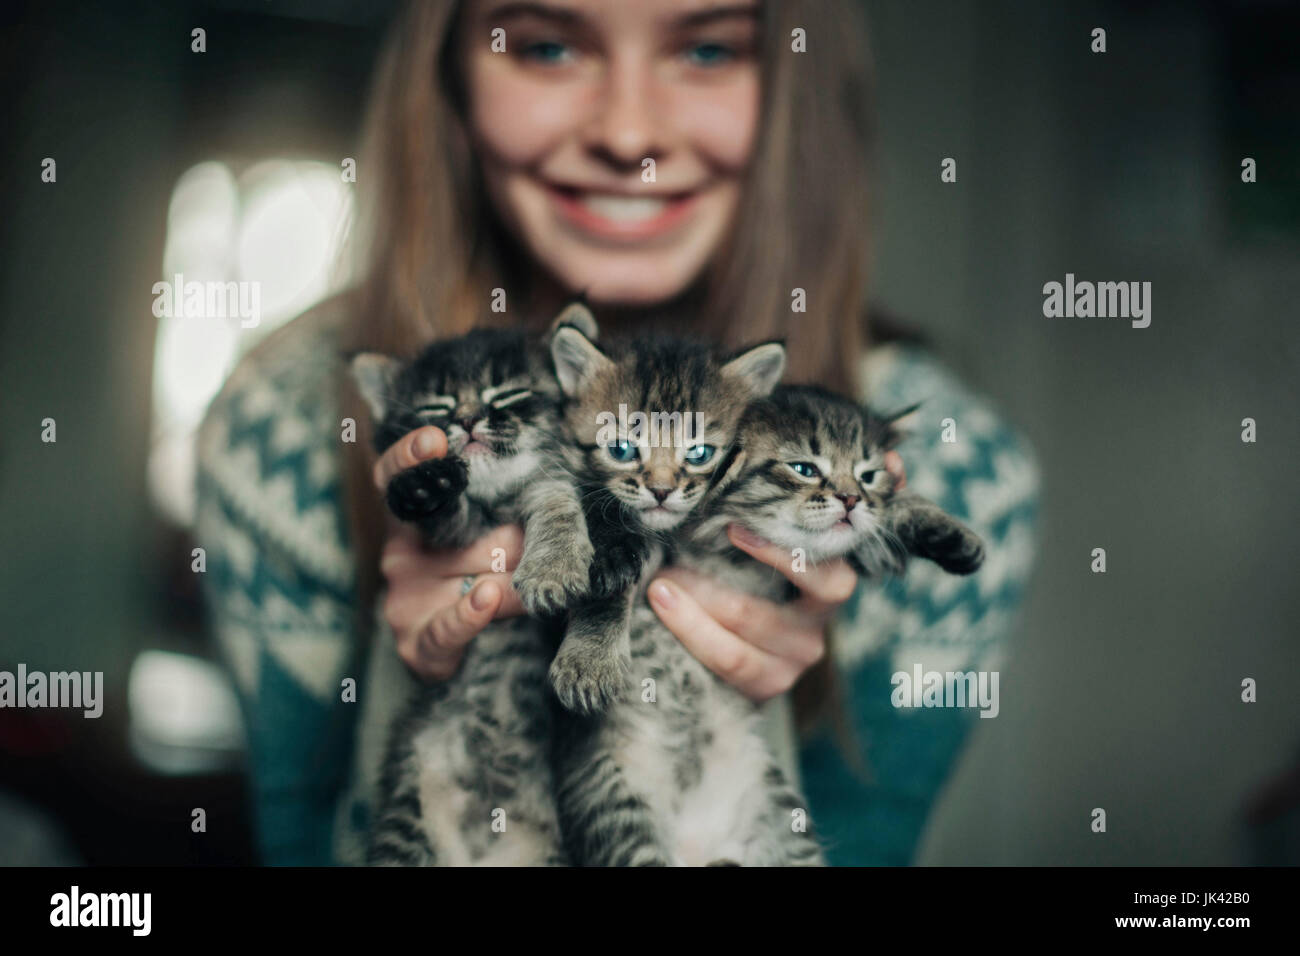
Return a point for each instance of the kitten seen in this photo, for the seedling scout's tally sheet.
(810, 474)
(639, 483)
(478, 744)
(686, 778)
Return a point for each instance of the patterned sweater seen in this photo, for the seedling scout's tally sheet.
(280, 590)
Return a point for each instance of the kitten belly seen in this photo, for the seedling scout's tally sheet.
(696, 755)
(440, 753)
(483, 776)
(716, 818)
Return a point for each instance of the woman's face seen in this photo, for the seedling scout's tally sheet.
(587, 92)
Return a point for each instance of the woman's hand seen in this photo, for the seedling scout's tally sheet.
(758, 646)
(431, 615)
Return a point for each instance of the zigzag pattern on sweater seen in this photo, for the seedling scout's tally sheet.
(256, 430)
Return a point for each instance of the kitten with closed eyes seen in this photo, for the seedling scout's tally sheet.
(478, 743)
(684, 777)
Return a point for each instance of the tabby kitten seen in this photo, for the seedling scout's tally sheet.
(686, 778)
(810, 474)
(478, 744)
(639, 482)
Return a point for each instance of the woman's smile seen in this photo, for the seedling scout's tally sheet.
(621, 217)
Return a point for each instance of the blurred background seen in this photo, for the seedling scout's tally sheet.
(1122, 690)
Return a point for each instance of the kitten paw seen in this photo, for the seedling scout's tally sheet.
(587, 683)
(616, 567)
(549, 579)
(424, 490)
(957, 550)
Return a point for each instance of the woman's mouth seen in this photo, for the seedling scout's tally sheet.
(621, 217)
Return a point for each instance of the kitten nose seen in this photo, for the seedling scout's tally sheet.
(469, 421)
(661, 494)
(848, 501)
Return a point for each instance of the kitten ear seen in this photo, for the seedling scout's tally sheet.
(901, 425)
(375, 375)
(576, 360)
(759, 370)
(577, 315)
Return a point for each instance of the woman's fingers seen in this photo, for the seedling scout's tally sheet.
(402, 548)
(510, 605)
(784, 631)
(824, 586)
(427, 604)
(452, 627)
(408, 451)
(497, 551)
(894, 465)
(750, 669)
(434, 650)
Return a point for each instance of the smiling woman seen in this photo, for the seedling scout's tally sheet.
(614, 137)
(528, 171)
(687, 167)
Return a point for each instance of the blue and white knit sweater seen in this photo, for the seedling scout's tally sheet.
(280, 590)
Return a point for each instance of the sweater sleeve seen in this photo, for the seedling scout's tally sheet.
(279, 583)
(872, 793)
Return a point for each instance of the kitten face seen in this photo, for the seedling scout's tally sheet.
(691, 401)
(485, 390)
(814, 473)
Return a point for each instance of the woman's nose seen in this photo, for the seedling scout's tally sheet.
(626, 126)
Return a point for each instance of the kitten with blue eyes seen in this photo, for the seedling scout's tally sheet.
(811, 475)
(638, 486)
(472, 747)
(684, 777)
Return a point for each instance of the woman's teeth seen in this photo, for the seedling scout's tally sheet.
(623, 208)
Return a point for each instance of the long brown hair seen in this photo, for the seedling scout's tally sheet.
(435, 250)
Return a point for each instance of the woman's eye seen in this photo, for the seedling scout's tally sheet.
(709, 54)
(806, 469)
(622, 451)
(699, 454)
(547, 52)
(867, 477)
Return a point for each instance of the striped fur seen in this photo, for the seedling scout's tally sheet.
(632, 505)
(467, 778)
(845, 445)
(677, 773)
(682, 775)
